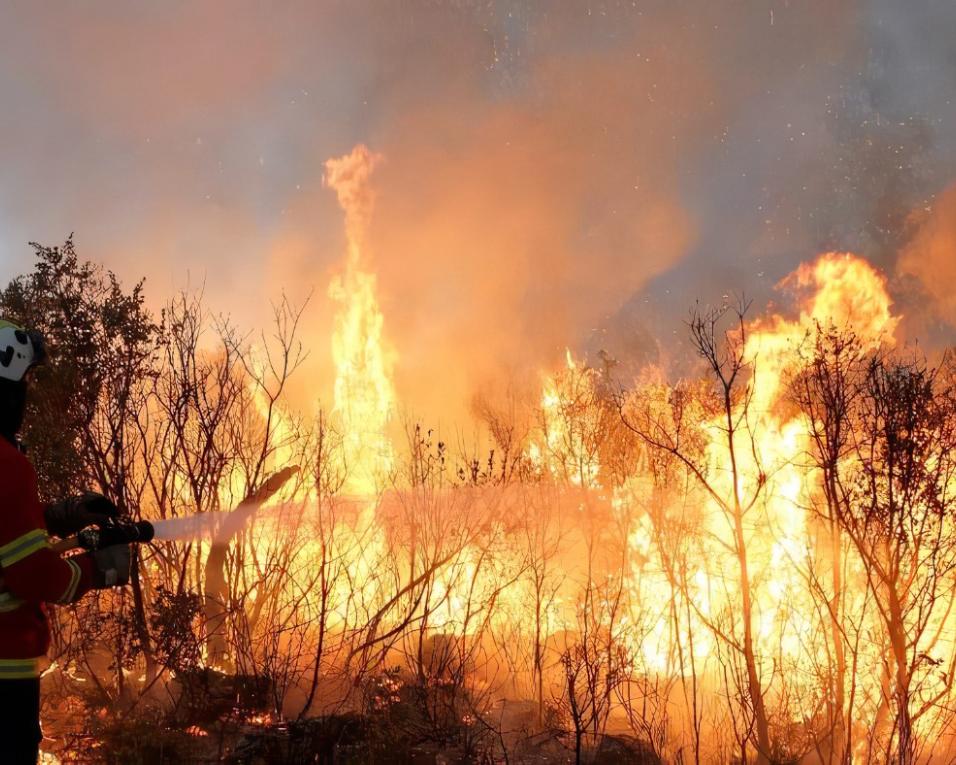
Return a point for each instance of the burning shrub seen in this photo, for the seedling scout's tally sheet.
(423, 714)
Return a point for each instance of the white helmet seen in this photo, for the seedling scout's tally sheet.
(20, 351)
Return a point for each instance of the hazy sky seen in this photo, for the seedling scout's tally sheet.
(556, 173)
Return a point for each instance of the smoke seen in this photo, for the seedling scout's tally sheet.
(554, 173)
(930, 258)
(350, 178)
(837, 153)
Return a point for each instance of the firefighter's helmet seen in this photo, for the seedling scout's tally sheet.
(20, 350)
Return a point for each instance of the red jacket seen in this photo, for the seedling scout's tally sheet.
(33, 574)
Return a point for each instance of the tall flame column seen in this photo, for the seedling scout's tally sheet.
(364, 393)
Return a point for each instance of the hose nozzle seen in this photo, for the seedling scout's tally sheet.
(131, 532)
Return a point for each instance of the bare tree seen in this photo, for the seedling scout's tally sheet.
(258, 433)
(674, 432)
(827, 388)
(595, 665)
(894, 501)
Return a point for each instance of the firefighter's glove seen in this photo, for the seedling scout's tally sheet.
(112, 566)
(76, 513)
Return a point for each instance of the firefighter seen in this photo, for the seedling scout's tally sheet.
(32, 573)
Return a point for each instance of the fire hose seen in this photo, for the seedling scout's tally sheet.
(122, 532)
(116, 533)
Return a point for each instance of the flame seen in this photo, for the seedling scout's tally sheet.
(839, 290)
(836, 289)
(849, 293)
(364, 394)
(682, 600)
(566, 448)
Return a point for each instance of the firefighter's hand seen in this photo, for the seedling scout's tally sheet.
(112, 566)
(76, 513)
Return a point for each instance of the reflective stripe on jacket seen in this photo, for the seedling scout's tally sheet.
(32, 574)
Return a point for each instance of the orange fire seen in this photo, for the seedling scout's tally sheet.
(590, 541)
(567, 447)
(364, 395)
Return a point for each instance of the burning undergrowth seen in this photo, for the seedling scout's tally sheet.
(755, 562)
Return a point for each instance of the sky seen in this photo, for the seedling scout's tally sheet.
(554, 174)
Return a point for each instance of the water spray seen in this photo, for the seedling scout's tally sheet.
(219, 525)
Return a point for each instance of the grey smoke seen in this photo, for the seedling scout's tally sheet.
(557, 173)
